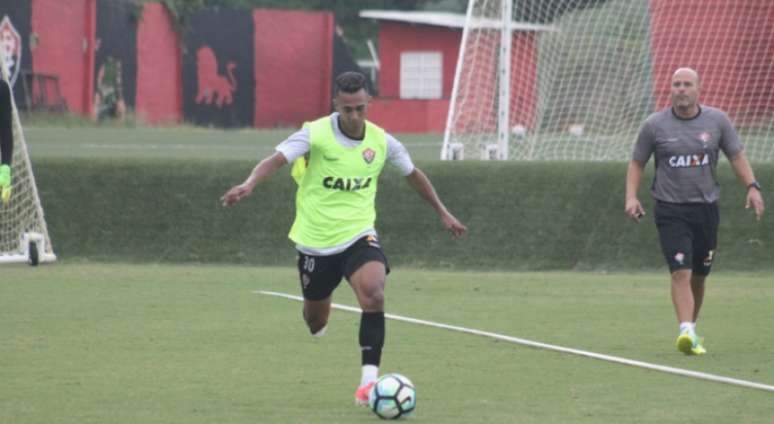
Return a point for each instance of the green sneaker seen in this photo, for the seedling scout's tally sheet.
(690, 344)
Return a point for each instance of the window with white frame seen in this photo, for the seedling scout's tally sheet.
(421, 75)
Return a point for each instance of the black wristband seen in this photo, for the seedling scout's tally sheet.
(755, 184)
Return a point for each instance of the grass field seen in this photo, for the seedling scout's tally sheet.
(84, 342)
(180, 143)
(107, 343)
(188, 142)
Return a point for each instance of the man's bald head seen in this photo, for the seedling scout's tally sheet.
(684, 92)
(687, 73)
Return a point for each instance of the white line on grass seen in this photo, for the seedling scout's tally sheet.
(179, 146)
(166, 146)
(539, 345)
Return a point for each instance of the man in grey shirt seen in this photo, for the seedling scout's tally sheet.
(686, 140)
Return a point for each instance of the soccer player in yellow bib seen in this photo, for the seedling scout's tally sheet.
(337, 160)
(6, 141)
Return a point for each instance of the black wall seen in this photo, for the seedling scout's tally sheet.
(117, 38)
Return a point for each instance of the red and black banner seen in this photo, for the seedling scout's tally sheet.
(218, 62)
(15, 43)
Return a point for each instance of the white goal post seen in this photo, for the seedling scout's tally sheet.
(575, 79)
(23, 231)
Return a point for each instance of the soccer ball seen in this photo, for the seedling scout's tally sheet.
(392, 397)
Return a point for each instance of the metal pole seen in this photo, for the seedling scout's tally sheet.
(504, 82)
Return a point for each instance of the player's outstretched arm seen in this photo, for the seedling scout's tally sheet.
(419, 181)
(262, 171)
(744, 172)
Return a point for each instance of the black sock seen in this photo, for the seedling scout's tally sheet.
(371, 337)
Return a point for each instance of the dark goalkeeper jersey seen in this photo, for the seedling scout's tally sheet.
(6, 129)
(686, 153)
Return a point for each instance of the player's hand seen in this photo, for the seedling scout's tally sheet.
(235, 194)
(755, 201)
(454, 225)
(634, 209)
(5, 184)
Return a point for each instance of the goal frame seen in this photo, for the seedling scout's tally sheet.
(498, 151)
(34, 246)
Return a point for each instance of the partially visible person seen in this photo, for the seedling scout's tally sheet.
(686, 140)
(6, 141)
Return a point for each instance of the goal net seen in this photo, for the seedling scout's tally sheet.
(23, 233)
(583, 74)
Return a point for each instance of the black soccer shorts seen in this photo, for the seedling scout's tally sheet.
(320, 275)
(689, 234)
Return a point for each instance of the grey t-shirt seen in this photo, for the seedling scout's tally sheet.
(686, 152)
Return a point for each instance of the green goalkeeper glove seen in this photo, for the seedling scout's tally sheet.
(5, 183)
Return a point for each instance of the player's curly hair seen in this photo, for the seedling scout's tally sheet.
(351, 82)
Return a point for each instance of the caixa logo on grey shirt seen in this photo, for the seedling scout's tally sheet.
(688, 161)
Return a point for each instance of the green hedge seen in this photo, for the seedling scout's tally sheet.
(522, 216)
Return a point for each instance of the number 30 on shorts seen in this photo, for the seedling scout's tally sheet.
(308, 264)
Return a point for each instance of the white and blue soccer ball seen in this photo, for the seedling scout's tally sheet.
(392, 397)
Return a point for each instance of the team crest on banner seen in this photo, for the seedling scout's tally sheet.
(368, 155)
(10, 49)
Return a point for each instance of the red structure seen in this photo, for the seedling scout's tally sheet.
(64, 47)
(159, 86)
(409, 116)
(441, 33)
(398, 37)
(730, 43)
(716, 38)
(293, 66)
(293, 59)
